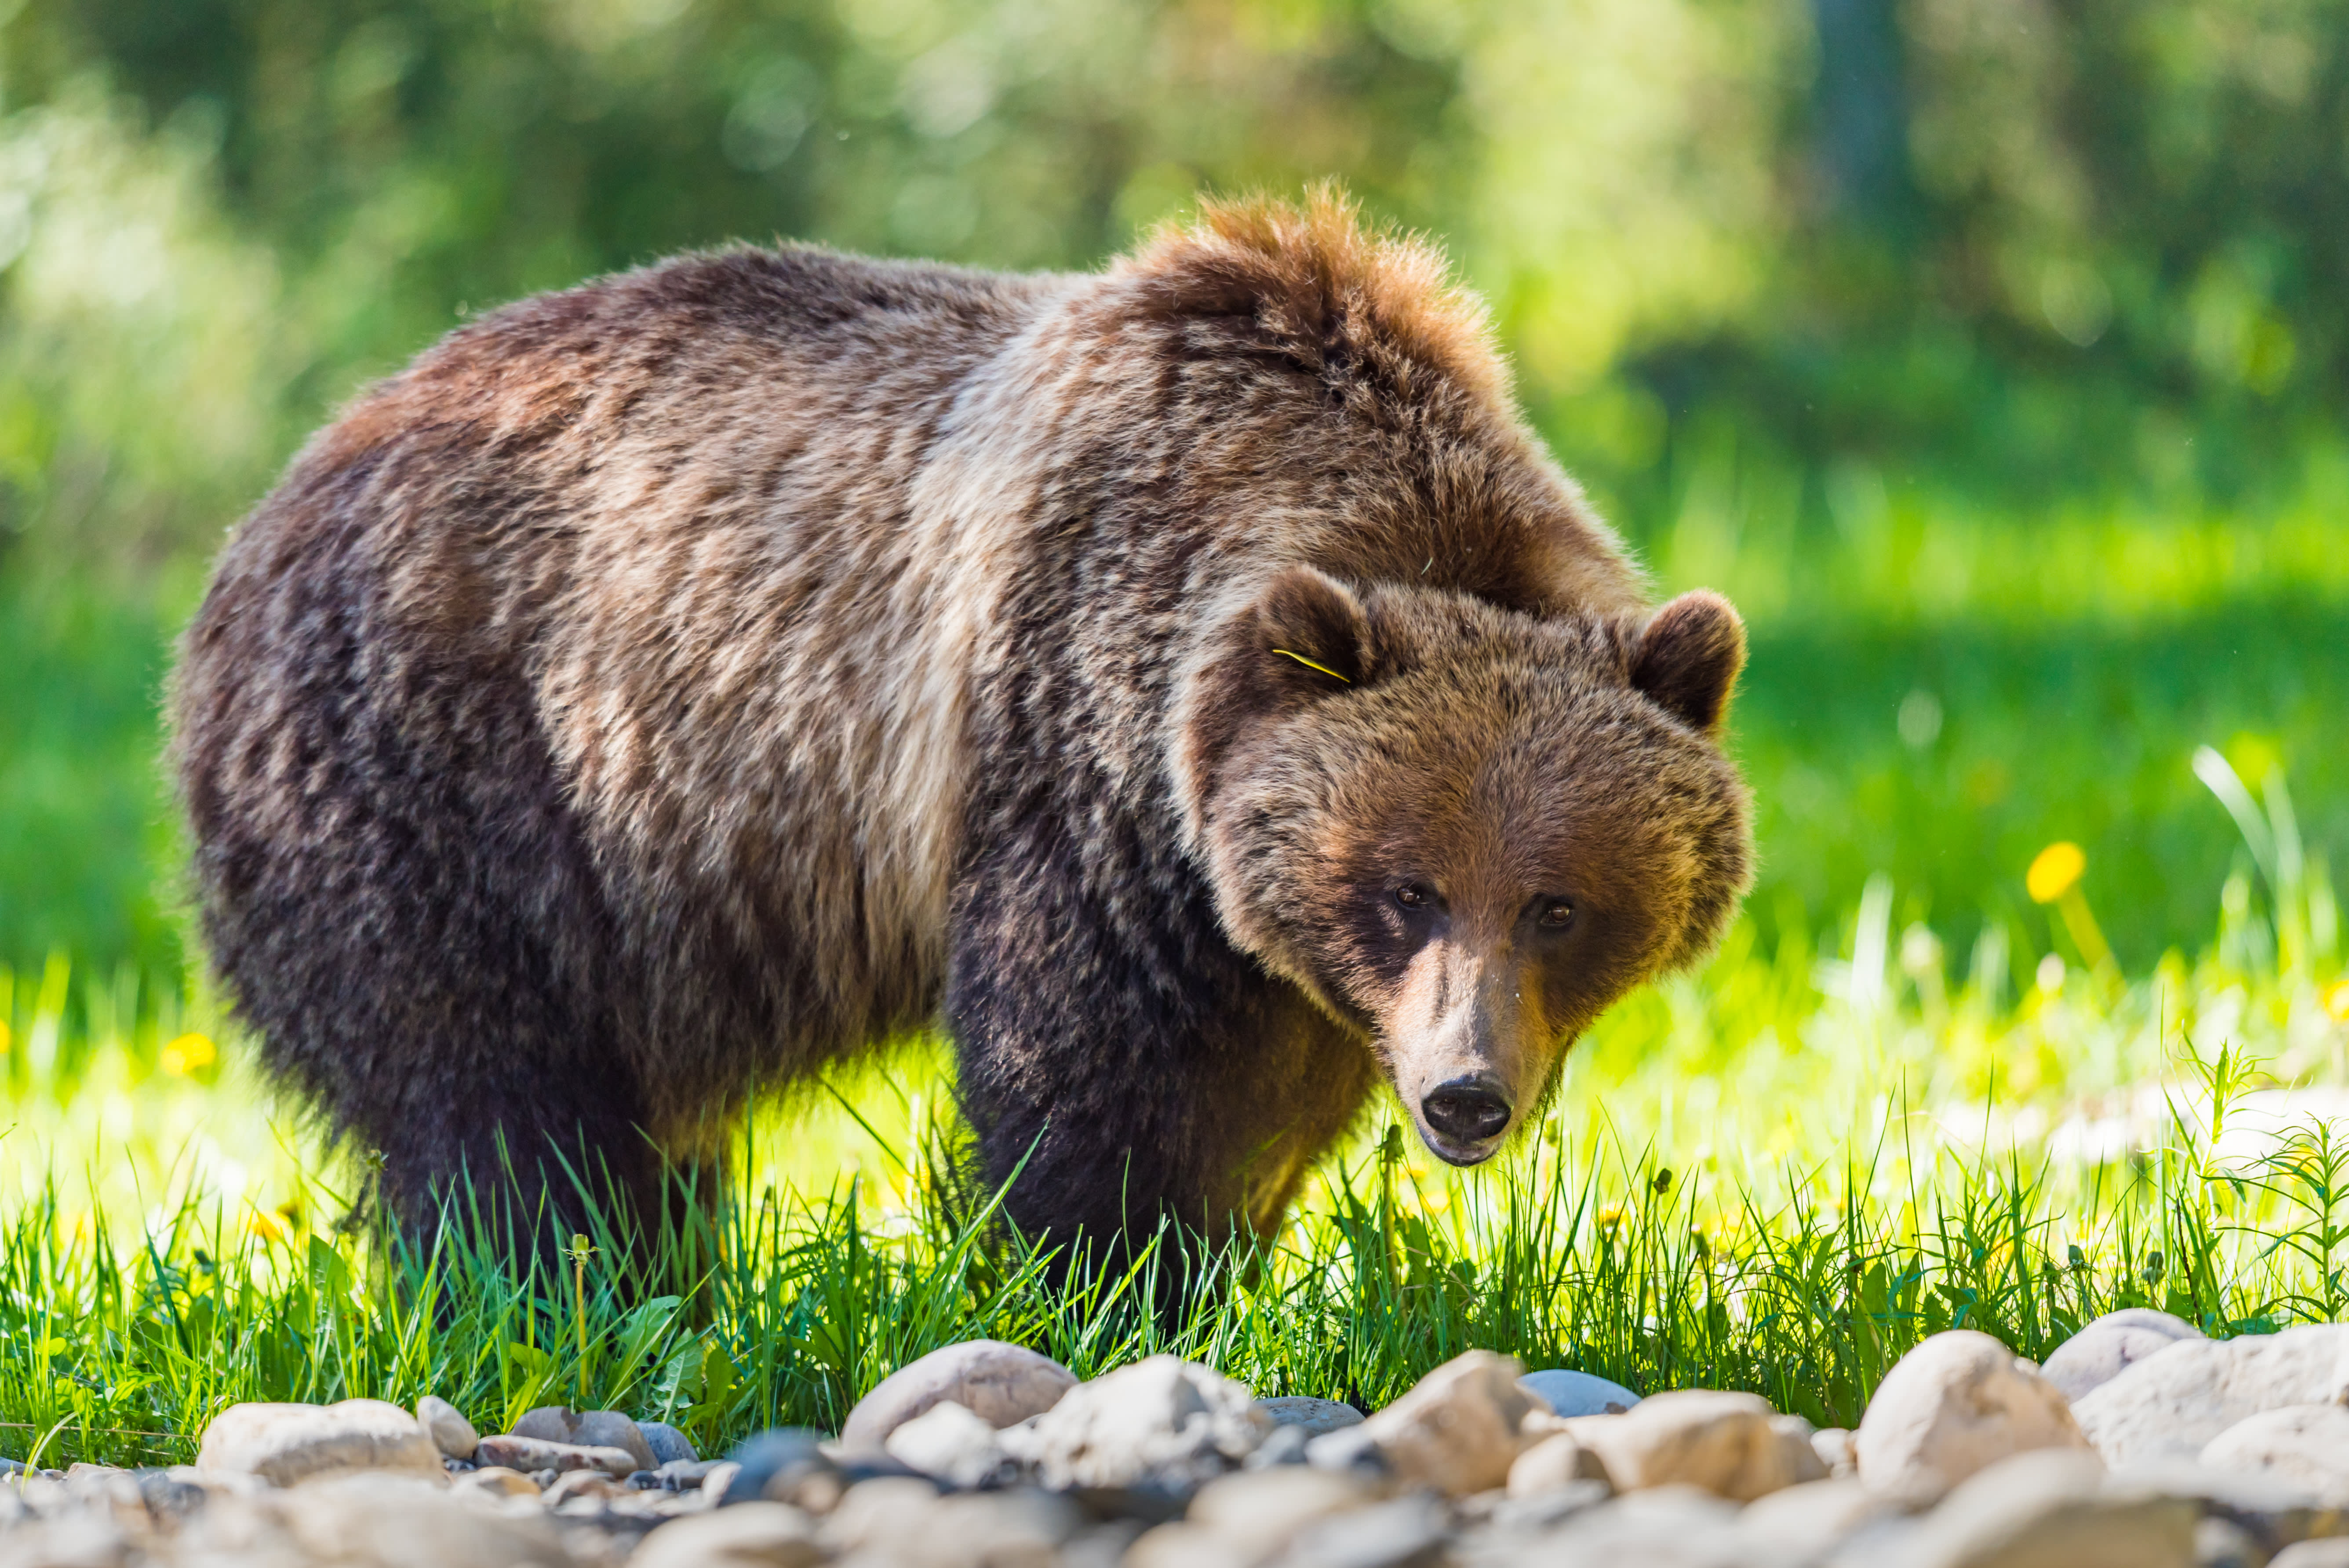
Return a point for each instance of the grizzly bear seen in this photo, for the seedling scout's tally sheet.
(1190, 686)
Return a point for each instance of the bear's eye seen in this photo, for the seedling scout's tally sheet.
(1411, 896)
(1557, 912)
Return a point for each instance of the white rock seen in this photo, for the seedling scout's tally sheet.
(1730, 1445)
(1405, 1532)
(531, 1455)
(1578, 1393)
(611, 1429)
(378, 1520)
(450, 1432)
(1552, 1462)
(2307, 1444)
(2170, 1404)
(2110, 1344)
(747, 1535)
(285, 1444)
(1807, 1518)
(1243, 1520)
(1312, 1417)
(1663, 1527)
(878, 1516)
(2332, 1553)
(951, 1445)
(2052, 1510)
(1833, 1445)
(1160, 1421)
(1459, 1429)
(1001, 1384)
(1015, 1529)
(1955, 1404)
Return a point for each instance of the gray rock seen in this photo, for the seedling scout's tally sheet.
(2168, 1405)
(1955, 1404)
(2051, 1510)
(786, 1464)
(547, 1423)
(286, 1444)
(1001, 1384)
(1457, 1430)
(1578, 1393)
(611, 1429)
(1405, 1533)
(951, 1446)
(1312, 1417)
(668, 1445)
(450, 1432)
(2110, 1344)
(753, 1535)
(531, 1455)
(1161, 1423)
(1728, 1444)
(2307, 1444)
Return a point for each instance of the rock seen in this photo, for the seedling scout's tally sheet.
(2331, 1553)
(873, 1515)
(1311, 1416)
(674, 1475)
(1457, 1430)
(286, 1444)
(531, 1455)
(1578, 1393)
(1159, 1423)
(2168, 1405)
(668, 1445)
(787, 1464)
(398, 1522)
(953, 1446)
(86, 1540)
(611, 1429)
(1405, 1533)
(2110, 1344)
(2051, 1510)
(1803, 1520)
(1958, 1402)
(546, 1424)
(2308, 1444)
(898, 1521)
(1730, 1445)
(450, 1432)
(1261, 1511)
(1664, 1527)
(587, 1483)
(2272, 1511)
(1555, 1461)
(1001, 1384)
(1833, 1445)
(496, 1481)
(753, 1535)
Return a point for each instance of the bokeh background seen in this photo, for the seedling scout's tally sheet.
(1989, 352)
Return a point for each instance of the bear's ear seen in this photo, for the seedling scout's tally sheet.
(1313, 634)
(1688, 657)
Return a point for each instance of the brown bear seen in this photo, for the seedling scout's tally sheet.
(1192, 686)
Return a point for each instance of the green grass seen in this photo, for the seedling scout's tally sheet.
(1774, 1174)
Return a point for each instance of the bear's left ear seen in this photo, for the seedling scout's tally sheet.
(1688, 657)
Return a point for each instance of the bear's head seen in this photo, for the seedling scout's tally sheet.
(1464, 830)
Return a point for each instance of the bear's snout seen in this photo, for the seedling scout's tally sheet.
(1468, 1114)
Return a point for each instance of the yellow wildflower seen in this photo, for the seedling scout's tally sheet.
(2054, 871)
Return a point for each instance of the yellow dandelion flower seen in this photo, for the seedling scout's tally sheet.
(266, 1227)
(2336, 1002)
(4, 1037)
(186, 1054)
(2054, 871)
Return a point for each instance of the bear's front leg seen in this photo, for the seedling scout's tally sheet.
(1124, 1058)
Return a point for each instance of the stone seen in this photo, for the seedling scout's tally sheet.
(611, 1429)
(751, 1535)
(2170, 1404)
(2222, 1543)
(1260, 1512)
(1578, 1393)
(1833, 1445)
(1311, 1416)
(873, 1515)
(2110, 1344)
(1557, 1460)
(1958, 1402)
(668, 1445)
(903, 1521)
(496, 1481)
(1161, 1423)
(85, 1540)
(2051, 1510)
(1001, 1384)
(398, 1522)
(286, 1444)
(1805, 1520)
(1407, 1533)
(1663, 1527)
(2331, 1553)
(2308, 1444)
(547, 1423)
(785, 1464)
(1730, 1445)
(2275, 1512)
(450, 1432)
(1458, 1429)
(587, 1483)
(531, 1455)
(951, 1446)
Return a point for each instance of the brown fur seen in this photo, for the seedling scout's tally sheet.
(689, 680)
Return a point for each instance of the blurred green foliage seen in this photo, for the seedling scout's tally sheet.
(1990, 352)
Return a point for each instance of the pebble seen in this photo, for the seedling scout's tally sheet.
(283, 1444)
(531, 1455)
(498, 1481)
(2305, 1443)
(752, 1535)
(1730, 1445)
(1955, 1404)
(1001, 1384)
(2051, 1510)
(1578, 1393)
(2108, 1346)
(952, 1445)
(1311, 1416)
(2168, 1405)
(450, 1432)
(1161, 1423)
(1458, 1431)
(668, 1445)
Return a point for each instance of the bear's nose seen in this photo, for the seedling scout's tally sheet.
(1471, 1109)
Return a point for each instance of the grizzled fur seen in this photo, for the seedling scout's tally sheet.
(1190, 683)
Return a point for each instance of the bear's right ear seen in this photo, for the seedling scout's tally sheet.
(1688, 658)
(1313, 634)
